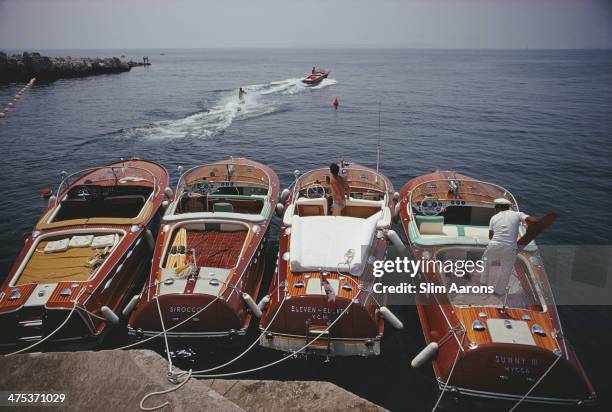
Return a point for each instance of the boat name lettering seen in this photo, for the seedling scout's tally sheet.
(184, 309)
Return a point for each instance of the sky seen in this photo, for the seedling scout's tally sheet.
(491, 24)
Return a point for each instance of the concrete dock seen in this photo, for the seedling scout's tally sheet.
(116, 381)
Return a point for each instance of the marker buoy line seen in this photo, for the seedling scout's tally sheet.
(74, 306)
(16, 98)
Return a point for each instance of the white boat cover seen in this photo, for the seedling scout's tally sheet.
(332, 243)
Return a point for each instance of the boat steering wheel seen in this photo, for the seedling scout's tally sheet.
(315, 191)
(431, 210)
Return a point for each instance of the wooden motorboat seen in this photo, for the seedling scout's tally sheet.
(315, 78)
(84, 257)
(209, 259)
(505, 347)
(325, 264)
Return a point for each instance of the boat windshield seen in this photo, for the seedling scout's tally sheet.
(368, 192)
(526, 288)
(451, 210)
(232, 187)
(105, 192)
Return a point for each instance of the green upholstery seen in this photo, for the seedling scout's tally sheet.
(223, 207)
(428, 219)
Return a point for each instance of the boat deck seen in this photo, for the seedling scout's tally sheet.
(213, 248)
(73, 264)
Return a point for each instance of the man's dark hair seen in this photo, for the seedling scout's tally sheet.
(334, 169)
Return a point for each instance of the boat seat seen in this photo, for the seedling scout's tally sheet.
(332, 243)
(223, 207)
(477, 231)
(311, 207)
(447, 231)
(430, 225)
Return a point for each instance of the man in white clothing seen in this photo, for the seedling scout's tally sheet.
(502, 248)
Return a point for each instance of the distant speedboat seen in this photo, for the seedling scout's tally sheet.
(320, 295)
(87, 253)
(210, 253)
(316, 77)
(501, 348)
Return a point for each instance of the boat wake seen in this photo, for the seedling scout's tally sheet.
(259, 101)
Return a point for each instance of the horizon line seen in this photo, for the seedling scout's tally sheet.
(309, 48)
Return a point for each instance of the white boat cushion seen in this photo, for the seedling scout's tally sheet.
(323, 243)
(57, 245)
(81, 241)
(479, 232)
(103, 241)
(319, 202)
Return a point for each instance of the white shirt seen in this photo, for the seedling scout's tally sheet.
(505, 226)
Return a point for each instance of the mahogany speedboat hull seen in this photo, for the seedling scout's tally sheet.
(503, 348)
(318, 305)
(87, 252)
(315, 78)
(209, 259)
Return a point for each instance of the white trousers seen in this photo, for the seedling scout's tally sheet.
(499, 263)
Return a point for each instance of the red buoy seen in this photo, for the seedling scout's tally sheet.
(46, 193)
(336, 103)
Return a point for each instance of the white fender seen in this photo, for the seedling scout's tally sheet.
(263, 302)
(164, 204)
(168, 192)
(280, 209)
(386, 314)
(131, 305)
(109, 315)
(385, 220)
(251, 304)
(284, 195)
(288, 216)
(396, 241)
(425, 355)
(396, 196)
(150, 239)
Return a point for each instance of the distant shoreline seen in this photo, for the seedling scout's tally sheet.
(25, 66)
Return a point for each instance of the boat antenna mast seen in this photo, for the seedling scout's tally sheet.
(378, 145)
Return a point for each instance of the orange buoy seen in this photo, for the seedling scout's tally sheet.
(46, 192)
(336, 103)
